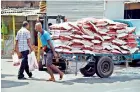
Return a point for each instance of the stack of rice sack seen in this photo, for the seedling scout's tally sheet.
(93, 36)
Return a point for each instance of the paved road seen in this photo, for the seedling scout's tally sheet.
(122, 80)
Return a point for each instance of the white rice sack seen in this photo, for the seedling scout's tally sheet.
(105, 30)
(77, 32)
(87, 32)
(102, 32)
(63, 46)
(106, 37)
(108, 47)
(57, 41)
(119, 42)
(65, 37)
(77, 41)
(115, 47)
(98, 36)
(88, 52)
(74, 25)
(121, 31)
(106, 43)
(60, 42)
(109, 21)
(133, 50)
(98, 47)
(96, 41)
(124, 52)
(77, 51)
(125, 47)
(116, 52)
(65, 25)
(101, 22)
(62, 50)
(76, 36)
(86, 47)
(88, 37)
(62, 26)
(94, 27)
(130, 29)
(122, 35)
(86, 42)
(66, 33)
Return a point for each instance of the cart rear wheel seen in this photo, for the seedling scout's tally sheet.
(104, 67)
(63, 64)
(88, 70)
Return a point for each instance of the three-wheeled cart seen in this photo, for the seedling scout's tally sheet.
(99, 63)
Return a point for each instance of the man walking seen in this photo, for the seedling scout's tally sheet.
(23, 45)
(49, 49)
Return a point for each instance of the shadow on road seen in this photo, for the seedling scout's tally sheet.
(6, 75)
(9, 84)
(36, 79)
(92, 80)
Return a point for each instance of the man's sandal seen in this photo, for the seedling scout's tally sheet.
(51, 79)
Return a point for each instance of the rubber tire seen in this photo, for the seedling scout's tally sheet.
(62, 64)
(99, 67)
(86, 72)
(134, 62)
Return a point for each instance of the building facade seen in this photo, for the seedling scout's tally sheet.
(17, 4)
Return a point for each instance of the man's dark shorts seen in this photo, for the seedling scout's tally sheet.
(49, 58)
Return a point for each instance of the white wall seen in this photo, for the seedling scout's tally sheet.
(114, 9)
(77, 9)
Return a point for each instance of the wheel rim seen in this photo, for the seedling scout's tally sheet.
(105, 67)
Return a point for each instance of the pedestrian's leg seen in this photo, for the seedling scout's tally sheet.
(49, 63)
(22, 67)
(21, 70)
(51, 74)
(27, 71)
(26, 65)
(53, 67)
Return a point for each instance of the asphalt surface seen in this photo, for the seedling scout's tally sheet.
(122, 80)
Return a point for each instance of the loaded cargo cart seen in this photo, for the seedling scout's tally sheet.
(101, 64)
(100, 41)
